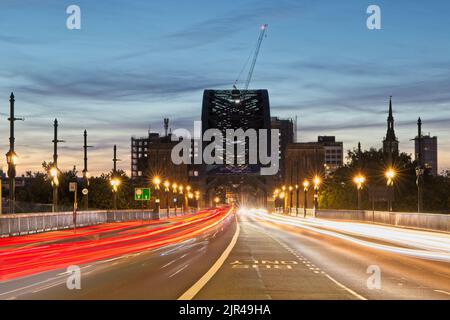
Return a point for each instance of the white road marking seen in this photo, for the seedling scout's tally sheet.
(308, 263)
(442, 291)
(192, 291)
(346, 288)
(179, 270)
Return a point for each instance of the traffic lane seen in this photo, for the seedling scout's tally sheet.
(163, 273)
(401, 237)
(261, 267)
(93, 232)
(22, 262)
(402, 277)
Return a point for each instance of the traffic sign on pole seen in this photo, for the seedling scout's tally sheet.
(142, 194)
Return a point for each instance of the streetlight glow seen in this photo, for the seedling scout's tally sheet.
(390, 175)
(359, 180)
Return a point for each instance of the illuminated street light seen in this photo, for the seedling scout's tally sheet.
(390, 175)
(166, 185)
(11, 160)
(359, 180)
(305, 190)
(156, 182)
(216, 200)
(115, 183)
(290, 198)
(317, 181)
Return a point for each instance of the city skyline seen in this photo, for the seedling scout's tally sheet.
(159, 68)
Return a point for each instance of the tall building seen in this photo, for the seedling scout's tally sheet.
(302, 161)
(139, 154)
(287, 134)
(390, 142)
(426, 151)
(334, 152)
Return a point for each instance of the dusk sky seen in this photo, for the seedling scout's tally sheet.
(135, 62)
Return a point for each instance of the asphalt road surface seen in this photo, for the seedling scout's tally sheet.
(251, 255)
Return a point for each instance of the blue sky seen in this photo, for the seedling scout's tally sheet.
(135, 62)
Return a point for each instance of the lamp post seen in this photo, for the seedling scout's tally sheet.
(317, 181)
(167, 189)
(297, 199)
(174, 193)
(85, 173)
(54, 171)
(419, 168)
(197, 198)
(180, 191)
(188, 192)
(290, 198)
(305, 190)
(282, 195)
(390, 175)
(156, 182)
(11, 156)
(115, 183)
(11, 159)
(216, 200)
(283, 188)
(359, 180)
(276, 193)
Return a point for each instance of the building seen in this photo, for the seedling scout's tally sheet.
(287, 135)
(303, 161)
(390, 142)
(239, 181)
(139, 154)
(334, 152)
(426, 151)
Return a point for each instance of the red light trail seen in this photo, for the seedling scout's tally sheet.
(26, 260)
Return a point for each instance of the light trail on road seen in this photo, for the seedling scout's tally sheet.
(23, 261)
(420, 244)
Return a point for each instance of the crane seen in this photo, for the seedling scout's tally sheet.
(255, 57)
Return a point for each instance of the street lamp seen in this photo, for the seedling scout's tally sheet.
(115, 183)
(359, 180)
(305, 190)
(390, 175)
(297, 199)
(317, 181)
(216, 200)
(11, 160)
(197, 198)
(157, 182)
(174, 193)
(290, 198)
(167, 189)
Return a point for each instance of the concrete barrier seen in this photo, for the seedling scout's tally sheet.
(28, 223)
(423, 221)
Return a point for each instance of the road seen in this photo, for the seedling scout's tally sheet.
(251, 255)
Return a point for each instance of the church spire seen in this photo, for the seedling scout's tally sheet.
(390, 143)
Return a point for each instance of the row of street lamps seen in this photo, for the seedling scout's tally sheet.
(176, 188)
(359, 180)
(281, 193)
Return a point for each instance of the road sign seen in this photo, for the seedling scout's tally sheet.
(142, 194)
(72, 186)
(85, 191)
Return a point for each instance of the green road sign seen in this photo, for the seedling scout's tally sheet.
(142, 194)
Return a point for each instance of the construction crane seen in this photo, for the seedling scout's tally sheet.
(262, 34)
